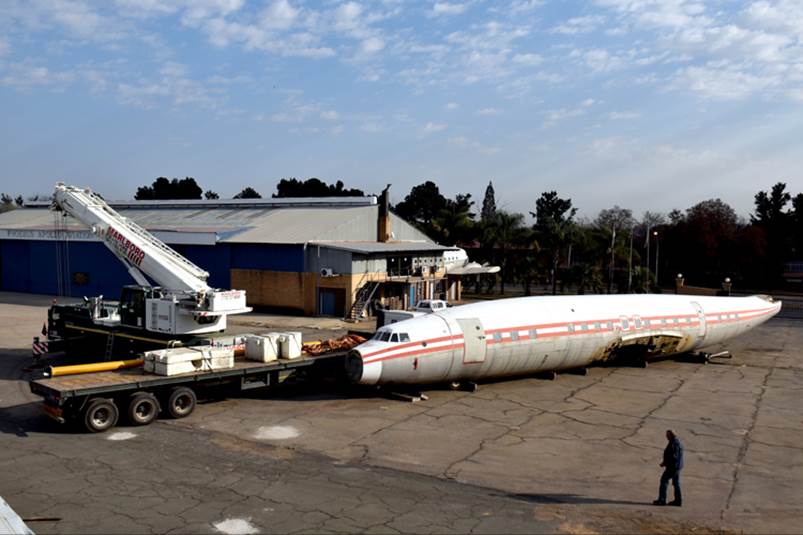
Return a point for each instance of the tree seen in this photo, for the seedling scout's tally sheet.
(314, 187)
(164, 189)
(771, 217)
(248, 193)
(210, 195)
(422, 205)
(506, 232)
(554, 226)
(488, 204)
(611, 221)
(6, 203)
(454, 223)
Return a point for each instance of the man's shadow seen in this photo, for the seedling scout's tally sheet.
(572, 499)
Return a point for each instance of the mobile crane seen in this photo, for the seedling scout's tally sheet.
(177, 307)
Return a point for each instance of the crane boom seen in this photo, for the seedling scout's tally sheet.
(139, 250)
(181, 303)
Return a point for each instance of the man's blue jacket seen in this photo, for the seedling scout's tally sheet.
(673, 455)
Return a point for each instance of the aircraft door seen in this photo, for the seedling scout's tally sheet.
(701, 318)
(474, 343)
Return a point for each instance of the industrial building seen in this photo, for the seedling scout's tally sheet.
(317, 256)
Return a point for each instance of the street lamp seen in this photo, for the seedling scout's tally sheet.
(657, 250)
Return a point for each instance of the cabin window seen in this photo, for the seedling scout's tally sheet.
(637, 321)
(394, 337)
(514, 335)
(677, 321)
(625, 324)
(533, 334)
(597, 326)
(497, 337)
(610, 325)
(404, 337)
(570, 327)
(584, 327)
(646, 323)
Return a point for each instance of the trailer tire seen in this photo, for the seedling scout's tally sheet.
(100, 415)
(181, 402)
(142, 408)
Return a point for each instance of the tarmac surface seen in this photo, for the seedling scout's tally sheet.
(576, 455)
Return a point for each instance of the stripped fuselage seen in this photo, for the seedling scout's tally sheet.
(534, 334)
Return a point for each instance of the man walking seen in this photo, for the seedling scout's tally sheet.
(672, 465)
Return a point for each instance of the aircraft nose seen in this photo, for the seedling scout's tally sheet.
(360, 372)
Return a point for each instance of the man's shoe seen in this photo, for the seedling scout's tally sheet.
(658, 502)
(676, 503)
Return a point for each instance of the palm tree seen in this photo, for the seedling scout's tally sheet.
(505, 232)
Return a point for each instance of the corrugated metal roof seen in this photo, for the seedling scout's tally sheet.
(282, 202)
(241, 225)
(385, 247)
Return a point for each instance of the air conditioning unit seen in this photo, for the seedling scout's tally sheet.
(327, 272)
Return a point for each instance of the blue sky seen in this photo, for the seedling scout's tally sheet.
(648, 104)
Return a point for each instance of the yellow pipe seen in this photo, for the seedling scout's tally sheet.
(55, 371)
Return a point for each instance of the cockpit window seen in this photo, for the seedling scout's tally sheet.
(404, 337)
(382, 336)
(394, 337)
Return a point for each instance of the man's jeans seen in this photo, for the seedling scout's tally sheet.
(665, 478)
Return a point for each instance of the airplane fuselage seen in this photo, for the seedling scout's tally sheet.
(528, 335)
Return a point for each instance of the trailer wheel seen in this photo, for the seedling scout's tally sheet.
(181, 402)
(142, 408)
(100, 415)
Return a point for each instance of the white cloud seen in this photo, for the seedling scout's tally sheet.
(279, 15)
(528, 59)
(579, 25)
(466, 143)
(722, 81)
(489, 111)
(623, 115)
(446, 8)
(553, 117)
(330, 115)
(26, 75)
(174, 85)
(451, 106)
(431, 127)
(372, 45)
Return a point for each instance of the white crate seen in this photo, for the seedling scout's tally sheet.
(180, 360)
(263, 348)
(290, 345)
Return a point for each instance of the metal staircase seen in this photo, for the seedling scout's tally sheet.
(363, 296)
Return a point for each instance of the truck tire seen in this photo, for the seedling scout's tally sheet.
(100, 415)
(142, 408)
(181, 402)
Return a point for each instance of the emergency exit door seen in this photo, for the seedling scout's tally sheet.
(474, 344)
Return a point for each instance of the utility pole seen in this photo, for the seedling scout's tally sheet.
(649, 234)
(630, 262)
(610, 268)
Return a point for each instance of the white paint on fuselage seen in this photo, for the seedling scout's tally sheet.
(532, 334)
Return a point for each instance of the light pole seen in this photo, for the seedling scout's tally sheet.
(657, 250)
(630, 262)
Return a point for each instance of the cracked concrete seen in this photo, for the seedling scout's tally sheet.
(579, 454)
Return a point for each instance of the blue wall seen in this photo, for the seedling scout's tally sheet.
(30, 266)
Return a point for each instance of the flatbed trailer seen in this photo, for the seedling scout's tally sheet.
(97, 400)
